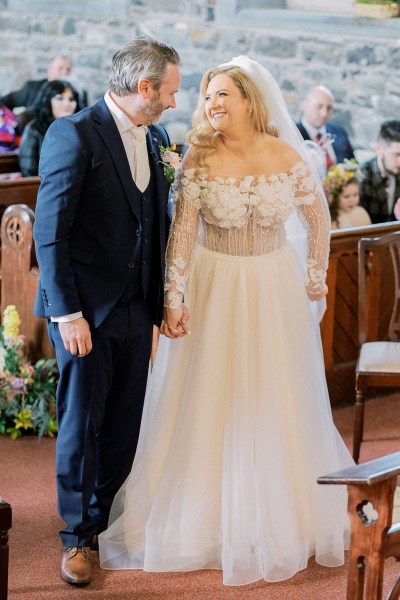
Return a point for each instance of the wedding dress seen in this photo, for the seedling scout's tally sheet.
(237, 423)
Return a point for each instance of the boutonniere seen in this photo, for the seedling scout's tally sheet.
(171, 160)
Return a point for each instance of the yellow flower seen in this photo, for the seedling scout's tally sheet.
(338, 176)
(11, 322)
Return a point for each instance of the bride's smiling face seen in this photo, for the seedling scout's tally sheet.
(225, 107)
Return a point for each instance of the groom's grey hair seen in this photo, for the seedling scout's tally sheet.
(141, 58)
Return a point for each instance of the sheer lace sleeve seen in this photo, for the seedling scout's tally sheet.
(314, 214)
(183, 236)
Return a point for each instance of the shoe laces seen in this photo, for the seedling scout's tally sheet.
(82, 549)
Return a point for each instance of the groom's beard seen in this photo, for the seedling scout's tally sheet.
(153, 111)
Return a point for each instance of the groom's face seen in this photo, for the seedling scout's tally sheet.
(163, 98)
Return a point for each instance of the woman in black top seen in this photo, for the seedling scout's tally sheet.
(58, 99)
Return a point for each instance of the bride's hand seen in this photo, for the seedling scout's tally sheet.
(318, 296)
(175, 321)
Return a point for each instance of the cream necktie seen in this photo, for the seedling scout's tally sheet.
(142, 175)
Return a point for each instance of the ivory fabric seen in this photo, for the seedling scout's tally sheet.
(245, 216)
(237, 424)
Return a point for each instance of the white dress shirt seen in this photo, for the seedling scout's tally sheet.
(313, 132)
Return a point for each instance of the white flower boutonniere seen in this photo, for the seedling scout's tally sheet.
(171, 160)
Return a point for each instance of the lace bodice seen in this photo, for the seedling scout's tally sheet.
(244, 216)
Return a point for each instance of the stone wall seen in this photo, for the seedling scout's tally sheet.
(357, 58)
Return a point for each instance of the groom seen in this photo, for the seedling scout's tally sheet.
(100, 235)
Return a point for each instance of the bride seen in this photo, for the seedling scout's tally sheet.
(237, 424)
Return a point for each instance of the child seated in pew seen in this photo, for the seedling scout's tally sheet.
(342, 190)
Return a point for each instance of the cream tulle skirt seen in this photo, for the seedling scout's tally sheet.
(236, 429)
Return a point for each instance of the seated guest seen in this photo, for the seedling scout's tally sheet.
(8, 130)
(58, 99)
(342, 190)
(380, 176)
(59, 68)
(315, 125)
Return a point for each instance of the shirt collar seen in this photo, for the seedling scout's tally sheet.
(122, 121)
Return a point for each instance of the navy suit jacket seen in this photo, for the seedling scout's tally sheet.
(87, 213)
(341, 144)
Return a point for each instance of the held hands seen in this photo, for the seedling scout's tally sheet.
(319, 295)
(175, 321)
(76, 336)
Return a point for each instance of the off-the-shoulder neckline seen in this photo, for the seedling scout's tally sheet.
(203, 171)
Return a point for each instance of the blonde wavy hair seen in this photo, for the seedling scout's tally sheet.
(201, 137)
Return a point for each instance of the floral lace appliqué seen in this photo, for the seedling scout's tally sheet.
(244, 216)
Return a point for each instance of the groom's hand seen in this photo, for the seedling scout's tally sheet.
(76, 336)
(175, 322)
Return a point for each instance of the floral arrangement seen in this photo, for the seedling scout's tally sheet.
(171, 160)
(338, 176)
(27, 392)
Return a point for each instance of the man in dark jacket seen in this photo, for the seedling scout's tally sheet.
(29, 94)
(315, 125)
(100, 234)
(380, 176)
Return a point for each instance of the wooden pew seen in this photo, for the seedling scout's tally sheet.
(339, 327)
(20, 275)
(373, 537)
(9, 162)
(18, 191)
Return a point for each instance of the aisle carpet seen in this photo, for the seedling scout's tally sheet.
(27, 481)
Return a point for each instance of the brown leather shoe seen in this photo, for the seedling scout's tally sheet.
(76, 567)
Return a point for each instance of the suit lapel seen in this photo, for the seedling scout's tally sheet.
(110, 135)
(303, 131)
(161, 184)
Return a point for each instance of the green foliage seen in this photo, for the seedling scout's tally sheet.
(27, 392)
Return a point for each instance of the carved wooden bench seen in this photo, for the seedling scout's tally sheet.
(373, 538)
(20, 275)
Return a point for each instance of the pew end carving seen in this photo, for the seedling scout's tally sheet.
(373, 535)
(20, 275)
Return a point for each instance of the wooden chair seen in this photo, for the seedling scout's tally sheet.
(378, 363)
(5, 526)
(373, 538)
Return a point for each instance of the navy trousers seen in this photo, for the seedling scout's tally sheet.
(99, 409)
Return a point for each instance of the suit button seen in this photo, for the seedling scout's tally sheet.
(143, 198)
(143, 262)
(145, 240)
(138, 233)
(131, 265)
(146, 220)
